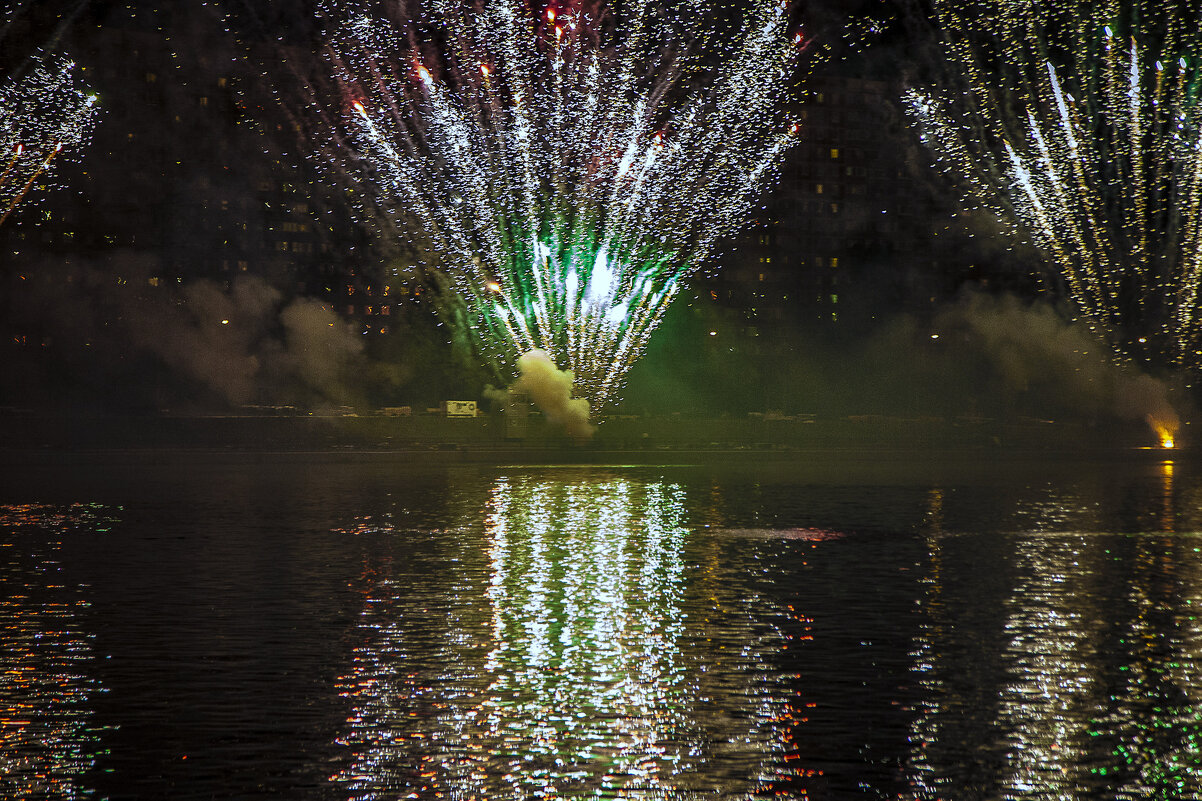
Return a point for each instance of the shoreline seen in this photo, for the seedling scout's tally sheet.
(635, 441)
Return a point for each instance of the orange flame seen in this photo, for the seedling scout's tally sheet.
(1166, 432)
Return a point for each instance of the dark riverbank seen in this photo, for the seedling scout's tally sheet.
(646, 440)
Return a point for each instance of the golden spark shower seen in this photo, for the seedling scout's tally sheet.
(1077, 123)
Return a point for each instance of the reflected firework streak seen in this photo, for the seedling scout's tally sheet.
(587, 624)
(1079, 124)
(1064, 702)
(567, 178)
(49, 740)
(583, 675)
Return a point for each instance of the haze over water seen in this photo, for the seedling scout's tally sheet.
(848, 627)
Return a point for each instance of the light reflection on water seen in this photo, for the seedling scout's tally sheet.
(583, 673)
(48, 740)
(1090, 689)
(527, 633)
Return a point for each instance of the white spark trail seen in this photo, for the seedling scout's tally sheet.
(1087, 148)
(566, 177)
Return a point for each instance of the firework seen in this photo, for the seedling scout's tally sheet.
(569, 171)
(43, 112)
(1077, 123)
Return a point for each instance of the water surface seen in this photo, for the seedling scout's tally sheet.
(301, 627)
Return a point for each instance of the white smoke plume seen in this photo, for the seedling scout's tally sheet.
(1033, 345)
(551, 390)
(249, 344)
(497, 398)
(210, 335)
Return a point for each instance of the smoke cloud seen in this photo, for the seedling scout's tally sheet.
(222, 344)
(248, 345)
(983, 356)
(211, 336)
(551, 390)
(1034, 346)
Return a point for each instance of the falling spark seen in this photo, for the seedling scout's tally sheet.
(1078, 124)
(42, 113)
(567, 180)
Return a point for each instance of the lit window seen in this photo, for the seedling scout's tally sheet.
(834, 261)
(834, 152)
(386, 310)
(818, 189)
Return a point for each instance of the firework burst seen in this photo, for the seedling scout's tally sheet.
(43, 113)
(1078, 123)
(568, 170)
